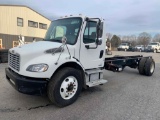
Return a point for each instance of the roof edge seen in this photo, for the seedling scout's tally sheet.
(26, 7)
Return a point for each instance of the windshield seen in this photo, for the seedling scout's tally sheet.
(68, 27)
(153, 44)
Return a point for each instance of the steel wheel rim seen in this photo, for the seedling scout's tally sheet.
(68, 87)
(152, 68)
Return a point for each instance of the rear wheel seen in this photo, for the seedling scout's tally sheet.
(142, 66)
(149, 67)
(65, 87)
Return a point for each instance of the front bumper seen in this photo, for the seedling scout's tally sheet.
(31, 86)
(120, 49)
(149, 50)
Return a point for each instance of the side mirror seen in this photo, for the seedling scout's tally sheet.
(99, 30)
(99, 41)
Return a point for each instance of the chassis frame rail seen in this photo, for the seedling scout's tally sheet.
(118, 63)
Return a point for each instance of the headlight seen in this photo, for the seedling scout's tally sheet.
(37, 68)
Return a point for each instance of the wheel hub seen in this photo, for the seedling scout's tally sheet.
(68, 87)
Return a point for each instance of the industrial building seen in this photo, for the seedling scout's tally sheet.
(17, 20)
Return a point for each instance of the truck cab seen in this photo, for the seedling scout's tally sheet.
(73, 46)
(153, 47)
(123, 47)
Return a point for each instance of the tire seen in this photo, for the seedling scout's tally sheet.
(125, 50)
(155, 50)
(141, 66)
(65, 87)
(149, 67)
(140, 50)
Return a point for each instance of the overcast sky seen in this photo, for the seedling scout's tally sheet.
(123, 17)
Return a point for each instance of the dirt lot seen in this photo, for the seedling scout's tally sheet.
(126, 96)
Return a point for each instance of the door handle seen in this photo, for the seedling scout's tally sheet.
(101, 53)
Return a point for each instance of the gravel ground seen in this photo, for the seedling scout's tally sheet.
(126, 96)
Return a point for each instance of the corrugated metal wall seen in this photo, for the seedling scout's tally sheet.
(8, 21)
(7, 40)
(9, 31)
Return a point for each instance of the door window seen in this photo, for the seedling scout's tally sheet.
(90, 32)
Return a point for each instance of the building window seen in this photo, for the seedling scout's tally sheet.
(32, 24)
(42, 26)
(20, 22)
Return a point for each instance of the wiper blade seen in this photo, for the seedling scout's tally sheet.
(53, 40)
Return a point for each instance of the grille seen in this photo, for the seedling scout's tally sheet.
(14, 61)
(149, 47)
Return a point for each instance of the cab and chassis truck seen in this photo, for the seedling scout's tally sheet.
(71, 57)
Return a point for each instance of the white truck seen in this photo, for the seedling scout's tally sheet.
(153, 47)
(71, 57)
(139, 48)
(123, 47)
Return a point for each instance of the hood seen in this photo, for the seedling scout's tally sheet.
(35, 47)
(30, 51)
(120, 46)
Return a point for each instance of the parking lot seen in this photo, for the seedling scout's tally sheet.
(126, 96)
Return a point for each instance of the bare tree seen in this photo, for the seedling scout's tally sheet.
(144, 38)
(124, 38)
(120, 37)
(109, 37)
(130, 39)
(133, 40)
(156, 38)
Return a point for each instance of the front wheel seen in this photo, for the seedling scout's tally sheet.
(65, 87)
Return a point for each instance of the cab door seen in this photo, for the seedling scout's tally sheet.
(91, 55)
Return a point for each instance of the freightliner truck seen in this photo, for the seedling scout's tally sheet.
(71, 57)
